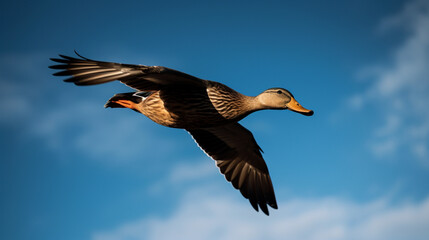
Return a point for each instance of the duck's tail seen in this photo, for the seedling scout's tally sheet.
(124, 100)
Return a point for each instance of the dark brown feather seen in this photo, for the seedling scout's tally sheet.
(140, 77)
(239, 158)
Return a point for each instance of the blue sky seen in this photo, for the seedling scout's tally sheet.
(357, 169)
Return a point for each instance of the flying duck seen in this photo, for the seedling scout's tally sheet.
(208, 110)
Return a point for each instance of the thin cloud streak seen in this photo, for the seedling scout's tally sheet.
(400, 92)
(185, 174)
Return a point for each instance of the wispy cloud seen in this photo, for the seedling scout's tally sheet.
(82, 126)
(193, 171)
(65, 123)
(20, 78)
(209, 213)
(186, 174)
(12, 105)
(400, 90)
(207, 210)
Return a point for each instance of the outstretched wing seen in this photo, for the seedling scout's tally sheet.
(239, 158)
(84, 71)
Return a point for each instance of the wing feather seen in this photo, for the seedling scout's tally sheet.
(239, 158)
(84, 71)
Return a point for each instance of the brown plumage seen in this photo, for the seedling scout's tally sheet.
(208, 110)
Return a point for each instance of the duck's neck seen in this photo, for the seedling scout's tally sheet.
(251, 104)
(231, 104)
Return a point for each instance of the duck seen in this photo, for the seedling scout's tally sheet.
(209, 111)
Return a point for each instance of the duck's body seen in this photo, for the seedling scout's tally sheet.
(194, 107)
(208, 110)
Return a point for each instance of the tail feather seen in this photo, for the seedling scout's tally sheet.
(122, 96)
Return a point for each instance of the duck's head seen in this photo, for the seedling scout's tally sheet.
(280, 98)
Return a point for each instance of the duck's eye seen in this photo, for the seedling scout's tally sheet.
(279, 92)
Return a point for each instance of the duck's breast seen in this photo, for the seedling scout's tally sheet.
(182, 109)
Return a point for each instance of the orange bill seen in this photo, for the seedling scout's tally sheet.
(296, 107)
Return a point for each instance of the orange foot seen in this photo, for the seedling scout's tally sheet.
(126, 103)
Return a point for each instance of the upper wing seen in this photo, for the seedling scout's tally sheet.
(84, 71)
(239, 158)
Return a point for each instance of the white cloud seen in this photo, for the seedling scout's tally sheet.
(400, 91)
(209, 213)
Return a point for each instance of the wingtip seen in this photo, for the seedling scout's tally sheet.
(69, 80)
(265, 211)
(264, 208)
(254, 205)
(273, 205)
(75, 51)
(58, 66)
